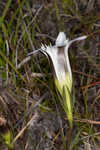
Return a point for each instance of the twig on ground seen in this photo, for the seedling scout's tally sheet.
(87, 121)
(90, 85)
(33, 119)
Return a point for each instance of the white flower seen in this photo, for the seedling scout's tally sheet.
(59, 57)
(60, 60)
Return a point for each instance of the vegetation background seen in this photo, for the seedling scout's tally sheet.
(31, 115)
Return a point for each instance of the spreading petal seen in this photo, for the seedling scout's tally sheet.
(77, 39)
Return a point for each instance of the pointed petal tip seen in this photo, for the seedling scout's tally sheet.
(83, 37)
(61, 39)
(43, 47)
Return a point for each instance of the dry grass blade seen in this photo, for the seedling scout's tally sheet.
(87, 121)
(39, 75)
(33, 119)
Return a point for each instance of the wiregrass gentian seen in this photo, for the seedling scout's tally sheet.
(58, 54)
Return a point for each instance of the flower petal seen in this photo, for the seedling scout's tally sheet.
(78, 39)
(61, 40)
